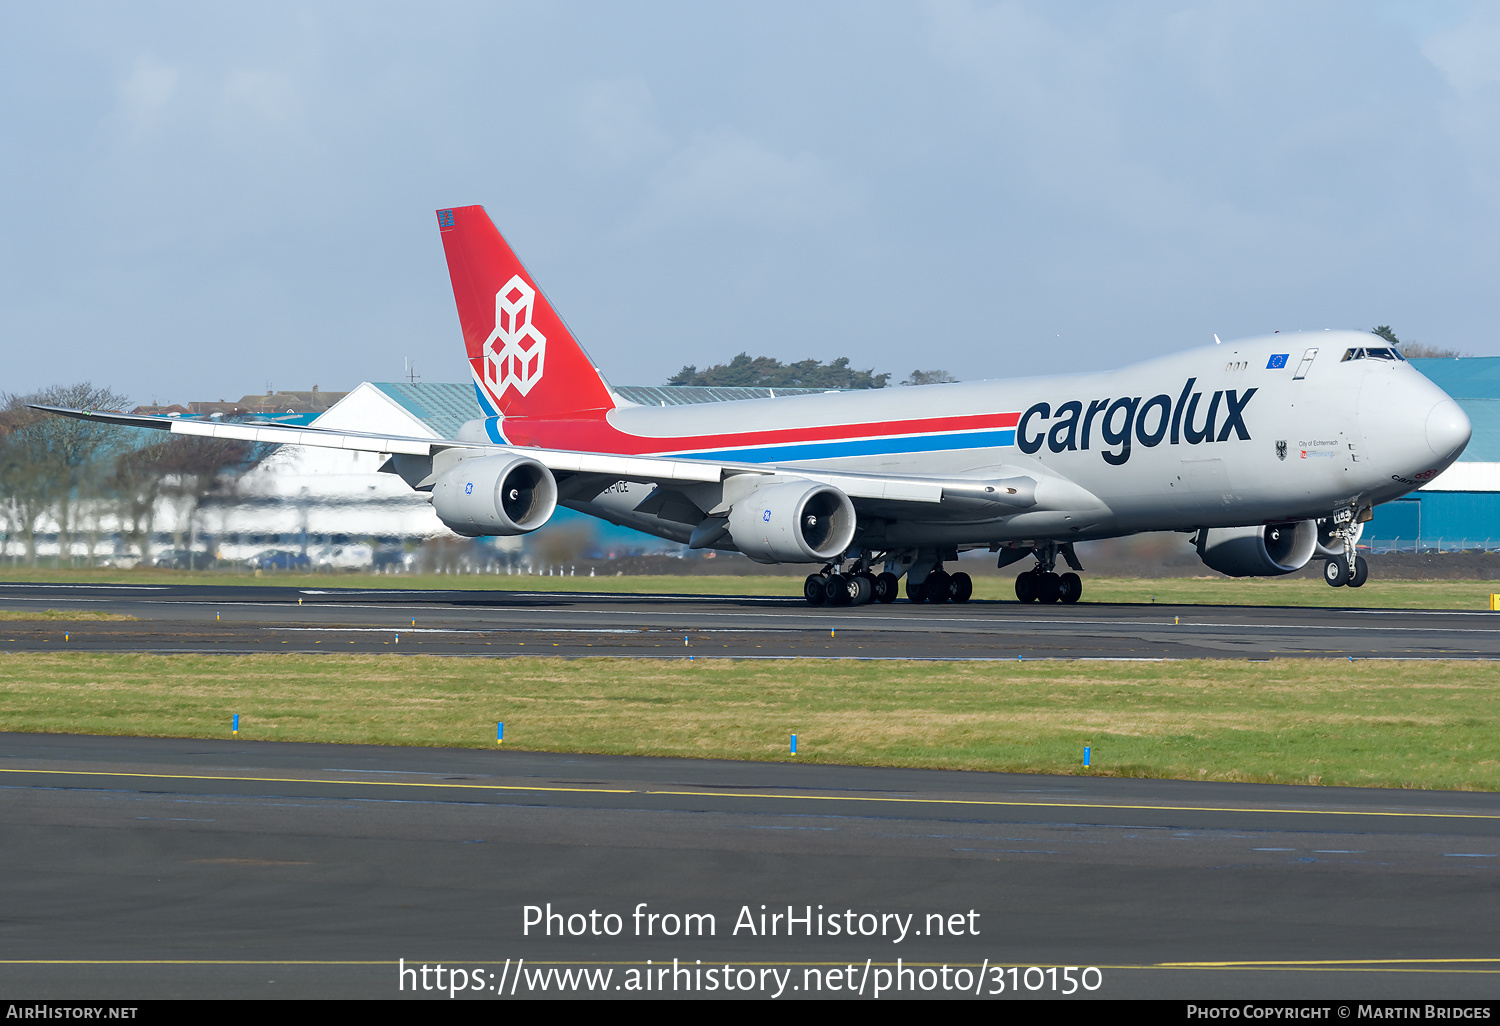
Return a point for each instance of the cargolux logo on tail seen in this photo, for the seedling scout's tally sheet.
(514, 351)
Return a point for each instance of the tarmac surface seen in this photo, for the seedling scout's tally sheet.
(189, 618)
(151, 868)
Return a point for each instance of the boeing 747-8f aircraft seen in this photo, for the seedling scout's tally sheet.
(1271, 451)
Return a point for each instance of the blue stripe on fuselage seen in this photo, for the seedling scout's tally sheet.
(484, 402)
(861, 447)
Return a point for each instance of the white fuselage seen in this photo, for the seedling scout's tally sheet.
(1264, 430)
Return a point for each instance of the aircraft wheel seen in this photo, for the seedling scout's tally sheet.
(1049, 587)
(916, 592)
(1069, 588)
(936, 586)
(960, 587)
(887, 587)
(1026, 587)
(836, 590)
(1336, 572)
(812, 589)
(1360, 573)
(861, 589)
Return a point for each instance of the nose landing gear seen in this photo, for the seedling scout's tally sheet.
(1338, 573)
(1346, 569)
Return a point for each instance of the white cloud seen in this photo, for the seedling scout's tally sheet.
(1468, 55)
(727, 176)
(144, 93)
(258, 97)
(614, 123)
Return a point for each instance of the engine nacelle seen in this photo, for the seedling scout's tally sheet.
(496, 495)
(795, 522)
(1268, 551)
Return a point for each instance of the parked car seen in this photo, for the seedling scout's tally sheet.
(181, 559)
(392, 557)
(343, 557)
(280, 559)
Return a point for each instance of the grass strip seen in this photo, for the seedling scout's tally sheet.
(62, 614)
(1369, 723)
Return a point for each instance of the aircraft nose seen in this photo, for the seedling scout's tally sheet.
(1448, 430)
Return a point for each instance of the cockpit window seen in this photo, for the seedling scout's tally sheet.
(1373, 353)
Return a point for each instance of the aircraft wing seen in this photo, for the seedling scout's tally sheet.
(1016, 491)
(644, 468)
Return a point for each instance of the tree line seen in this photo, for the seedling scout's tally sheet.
(81, 476)
(746, 371)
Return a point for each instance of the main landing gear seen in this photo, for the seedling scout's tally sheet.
(861, 584)
(941, 586)
(832, 588)
(1046, 586)
(1043, 584)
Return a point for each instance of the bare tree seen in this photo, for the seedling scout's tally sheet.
(80, 452)
(24, 489)
(185, 470)
(197, 468)
(56, 465)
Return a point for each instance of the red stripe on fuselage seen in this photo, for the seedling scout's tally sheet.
(597, 435)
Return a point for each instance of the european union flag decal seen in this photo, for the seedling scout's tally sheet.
(1276, 362)
(445, 220)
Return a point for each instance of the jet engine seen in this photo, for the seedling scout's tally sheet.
(499, 495)
(1268, 551)
(795, 522)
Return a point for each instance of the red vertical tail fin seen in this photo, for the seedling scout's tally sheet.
(524, 360)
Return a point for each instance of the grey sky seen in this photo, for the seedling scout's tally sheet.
(196, 201)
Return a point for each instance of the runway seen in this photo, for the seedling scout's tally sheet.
(140, 868)
(145, 868)
(504, 623)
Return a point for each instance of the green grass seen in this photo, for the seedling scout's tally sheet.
(1275, 591)
(62, 614)
(1286, 591)
(1373, 723)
